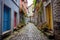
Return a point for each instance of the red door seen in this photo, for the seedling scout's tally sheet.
(15, 20)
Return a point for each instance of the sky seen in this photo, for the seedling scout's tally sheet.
(30, 2)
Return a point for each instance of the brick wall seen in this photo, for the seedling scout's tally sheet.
(56, 16)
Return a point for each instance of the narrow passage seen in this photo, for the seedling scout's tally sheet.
(29, 32)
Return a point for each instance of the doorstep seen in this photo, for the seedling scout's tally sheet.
(49, 35)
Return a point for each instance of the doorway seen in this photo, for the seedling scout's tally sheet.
(15, 20)
(6, 19)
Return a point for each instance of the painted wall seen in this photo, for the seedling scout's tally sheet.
(6, 19)
(48, 14)
(24, 3)
(14, 8)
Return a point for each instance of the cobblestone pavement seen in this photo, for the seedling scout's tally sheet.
(29, 32)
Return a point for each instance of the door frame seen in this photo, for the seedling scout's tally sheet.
(3, 19)
(14, 19)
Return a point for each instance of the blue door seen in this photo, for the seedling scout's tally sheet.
(6, 19)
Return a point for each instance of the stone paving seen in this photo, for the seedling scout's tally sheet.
(29, 32)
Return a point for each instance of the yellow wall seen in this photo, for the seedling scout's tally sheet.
(49, 16)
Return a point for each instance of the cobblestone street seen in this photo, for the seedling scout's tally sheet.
(29, 20)
(29, 32)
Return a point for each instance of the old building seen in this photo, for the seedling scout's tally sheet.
(53, 16)
(23, 10)
(23, 5)
(56, 18)
(44, 16)
(9, 15)
(48, 14)
(30, 12)
(36, 8)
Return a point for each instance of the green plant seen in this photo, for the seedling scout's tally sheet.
(34, 2)
(41, 8)
(23, 21)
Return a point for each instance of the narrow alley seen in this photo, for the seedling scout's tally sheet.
(29, 20)
(29, 32)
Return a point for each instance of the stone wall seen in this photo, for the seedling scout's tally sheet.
(56, 16)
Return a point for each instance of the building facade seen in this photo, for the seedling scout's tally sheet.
(9, 15)
(30, 12)
(48, 14)
(53, 10)
(36, 9)
(23, 10)
(56, 18)
(44, 16)
(23, 6)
